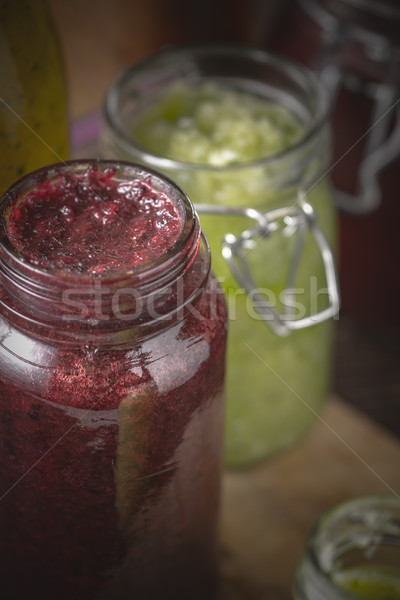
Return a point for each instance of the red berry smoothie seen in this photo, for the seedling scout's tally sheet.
(110, 428)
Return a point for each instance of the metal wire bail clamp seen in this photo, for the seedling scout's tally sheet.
(301, 218)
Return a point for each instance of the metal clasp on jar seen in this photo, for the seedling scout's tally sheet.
(300, 219)
(362, 37)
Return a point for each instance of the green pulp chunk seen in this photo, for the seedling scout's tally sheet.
(370, 583)
(213, 125)
(275, 386)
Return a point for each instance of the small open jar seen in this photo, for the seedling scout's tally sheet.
(353, 552)
(111, 369)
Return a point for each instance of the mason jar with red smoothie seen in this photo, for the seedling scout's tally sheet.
(111, 368)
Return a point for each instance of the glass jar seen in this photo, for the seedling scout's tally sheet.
(268, 221)
(353, 551)
(111, 409)
(33, 107)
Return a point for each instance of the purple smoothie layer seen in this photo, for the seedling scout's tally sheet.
(93, 224)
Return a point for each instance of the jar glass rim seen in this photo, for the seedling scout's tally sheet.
(295, 72)
(189, 235)
(354, 524)
(369, 510)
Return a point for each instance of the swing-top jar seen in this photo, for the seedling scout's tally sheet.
(246, 135)
(111, 371)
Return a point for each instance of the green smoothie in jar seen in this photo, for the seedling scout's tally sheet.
(370, 583)
(231, 127)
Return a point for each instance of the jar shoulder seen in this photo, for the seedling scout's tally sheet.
(81, 375)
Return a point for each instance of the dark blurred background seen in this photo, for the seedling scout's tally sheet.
(99, 38)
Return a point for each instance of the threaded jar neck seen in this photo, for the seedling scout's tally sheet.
(95, 247)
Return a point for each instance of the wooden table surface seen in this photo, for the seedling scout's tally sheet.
(267, 510)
